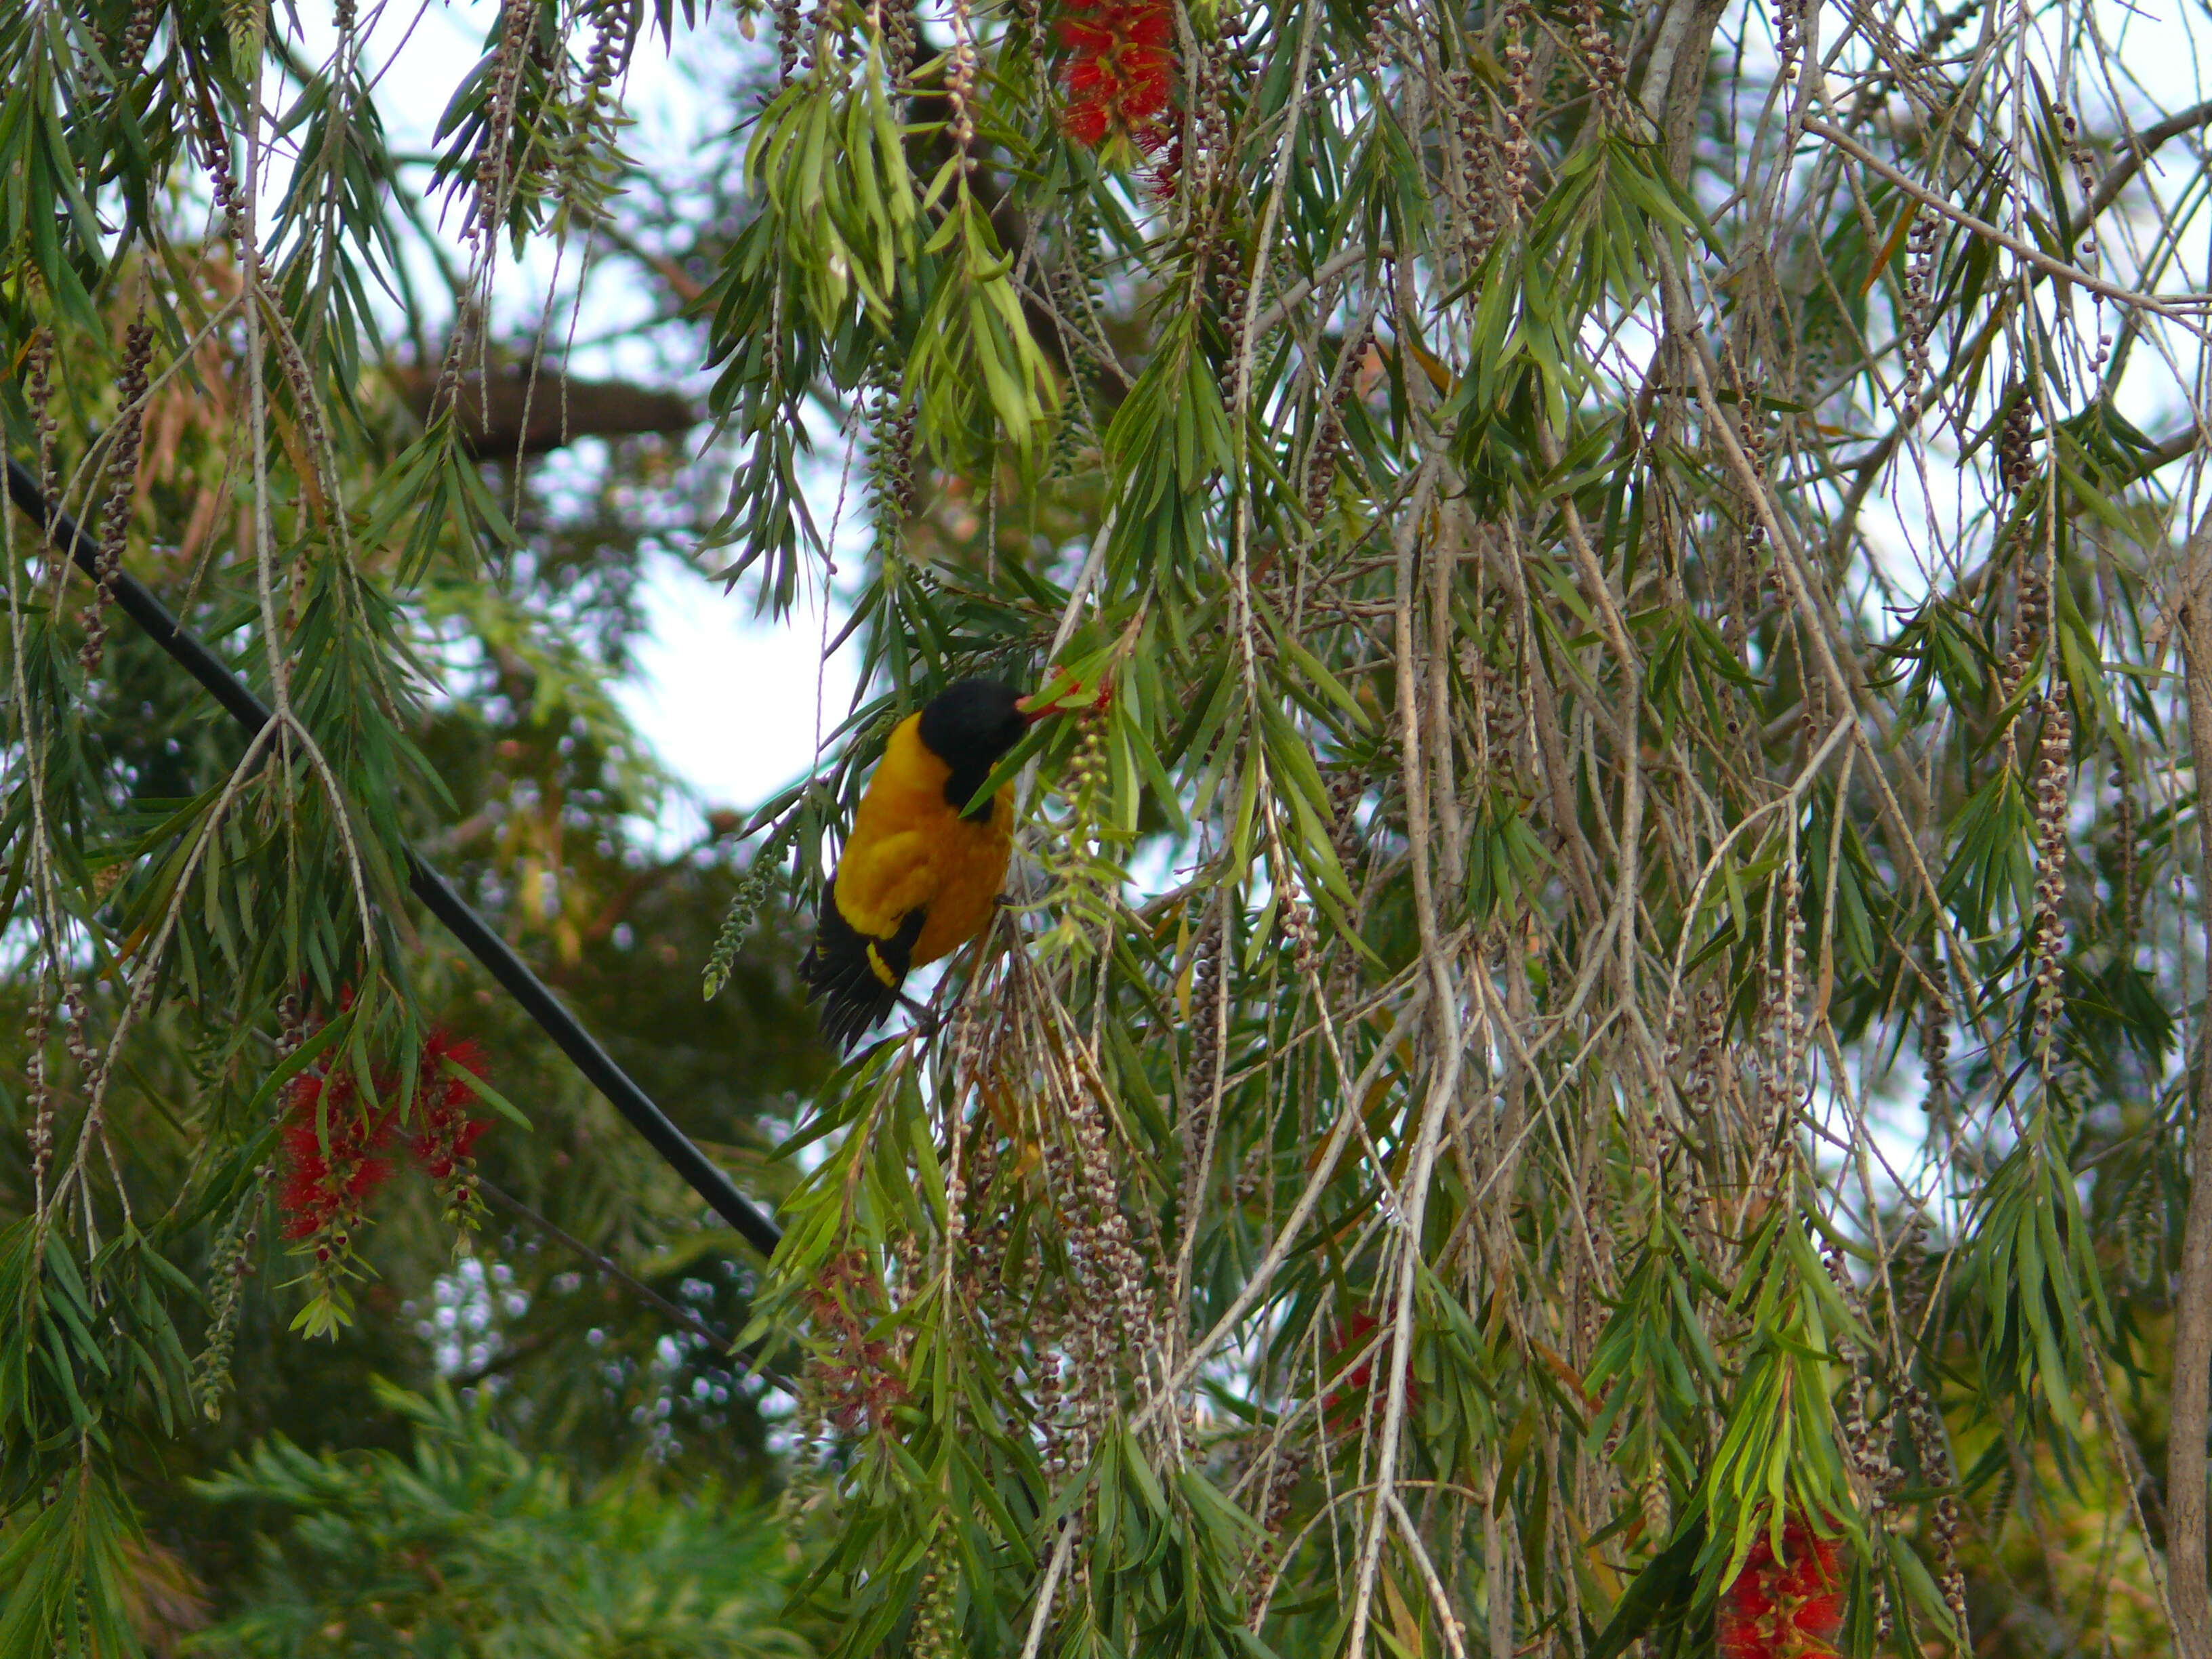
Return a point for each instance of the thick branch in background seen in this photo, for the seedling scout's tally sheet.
(521, 410)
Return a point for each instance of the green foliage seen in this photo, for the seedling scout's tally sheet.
(470, 1546)
(1603, 963)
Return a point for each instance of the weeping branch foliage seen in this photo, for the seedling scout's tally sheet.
(1624, 575)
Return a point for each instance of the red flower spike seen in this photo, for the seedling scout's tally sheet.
(1349, 1397)
(446, 1135)
(1120, 66)
(1785, 1607)
(332, 1143)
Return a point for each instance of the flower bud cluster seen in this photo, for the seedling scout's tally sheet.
(1206, 992)
(936, 1631)
(122, 485)
(892, 454)
(2143, 1234)
(230, 1264)
(2128, 892)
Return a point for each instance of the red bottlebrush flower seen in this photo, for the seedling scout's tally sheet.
(1785, 1607)
(1349, 1395)
(332, 1140)
(857, 1373)
(1119, 71)
(446, 1135)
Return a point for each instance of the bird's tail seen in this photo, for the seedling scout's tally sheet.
(855, 977)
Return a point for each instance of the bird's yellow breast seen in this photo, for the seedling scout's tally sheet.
(911, 847)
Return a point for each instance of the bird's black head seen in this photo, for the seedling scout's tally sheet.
(969, 726)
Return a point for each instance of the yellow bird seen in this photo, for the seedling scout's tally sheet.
(918, 876)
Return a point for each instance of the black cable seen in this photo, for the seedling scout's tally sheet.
(682, 1317)
(513, 975)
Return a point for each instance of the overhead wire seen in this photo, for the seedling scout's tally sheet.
(436, 895)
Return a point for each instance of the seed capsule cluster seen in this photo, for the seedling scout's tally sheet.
(1285, 1463)
(2016, 447)
(1107, 1311)
(786, 41)
(1918, 320)
(1471, 177)
(1866, 1437)
(1782, 1070)
(1936, 1060)
(1789, 34)
(215, 159)
(960, 83)
(38, 392)
(2052, 764)
(1608, 73)
(1329, 435)
(2030, 620)
(1751, 434)
(1520, 108)
(495, 182)
(2083, 166)
(136, 31)
(39, 1093)
(2124, 850)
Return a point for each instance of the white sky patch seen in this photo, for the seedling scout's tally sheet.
(726, 697)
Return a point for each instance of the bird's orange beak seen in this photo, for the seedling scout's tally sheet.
(1030, 713)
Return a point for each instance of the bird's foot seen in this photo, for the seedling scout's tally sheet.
(926, 1019)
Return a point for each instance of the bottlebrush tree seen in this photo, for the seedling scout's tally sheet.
(1598, 1043)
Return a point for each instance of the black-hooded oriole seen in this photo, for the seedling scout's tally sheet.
(918, 875)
